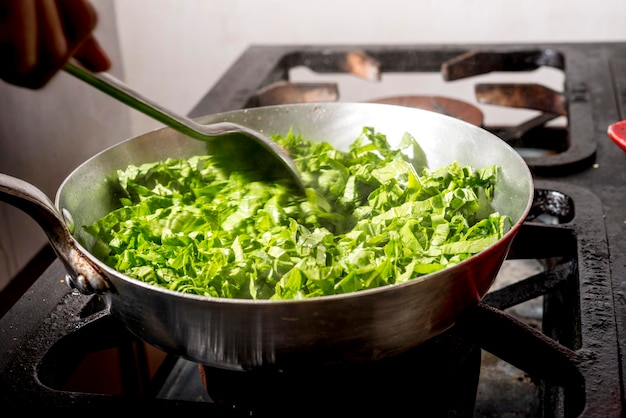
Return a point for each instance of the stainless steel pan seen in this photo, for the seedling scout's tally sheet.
(242, 334)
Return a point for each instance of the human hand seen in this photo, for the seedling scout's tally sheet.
(37, 37)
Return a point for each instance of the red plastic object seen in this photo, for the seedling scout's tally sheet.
(617, 132)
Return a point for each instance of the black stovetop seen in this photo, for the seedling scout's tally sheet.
(45, 334)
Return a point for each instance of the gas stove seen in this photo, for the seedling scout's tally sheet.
(547, 340)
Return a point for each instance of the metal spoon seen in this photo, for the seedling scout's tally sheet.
(268, 159)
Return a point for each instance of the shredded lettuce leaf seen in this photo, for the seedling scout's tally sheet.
(371, 218)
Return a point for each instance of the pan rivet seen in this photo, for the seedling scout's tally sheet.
(70, 281)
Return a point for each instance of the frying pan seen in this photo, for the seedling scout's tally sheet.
(238, 334)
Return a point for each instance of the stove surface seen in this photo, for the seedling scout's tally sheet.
(567, 357)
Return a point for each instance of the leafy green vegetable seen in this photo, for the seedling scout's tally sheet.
(368, 220)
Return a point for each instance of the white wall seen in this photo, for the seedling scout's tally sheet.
(174, 50)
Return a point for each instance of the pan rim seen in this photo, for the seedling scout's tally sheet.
(317, 299)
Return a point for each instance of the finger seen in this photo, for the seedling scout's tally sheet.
(92, 56)
(79, 19)
(41, 35)
(18, 36)
(52, 45)
(52, 48)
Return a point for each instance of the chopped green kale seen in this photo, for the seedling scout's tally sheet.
(369, 219)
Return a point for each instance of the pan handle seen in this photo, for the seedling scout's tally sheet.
(83, 273)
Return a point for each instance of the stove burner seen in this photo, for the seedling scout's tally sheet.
(418, 381)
